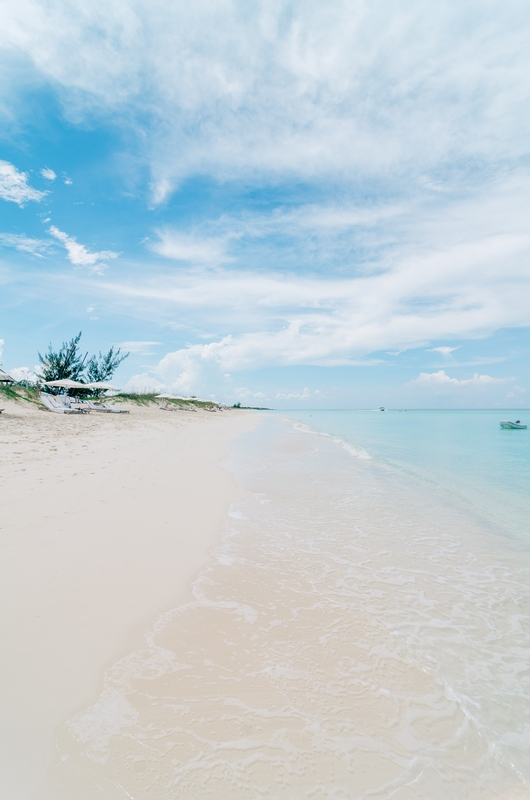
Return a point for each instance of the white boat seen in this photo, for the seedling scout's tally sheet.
(517, 425)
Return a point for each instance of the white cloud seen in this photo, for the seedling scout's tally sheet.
(68, 181)
(23, 374)
(2, 342)
(138, 348)
(48, 173)
(305, 395)
(25, 243)
(79, 255)
(290, 87)
(440, 380)
(517, 391)
(453, 271)
(243, 393)
(385, 98)
(444, 351)
(143, 384)
(196, 250)
(14, 185)
(285, 319)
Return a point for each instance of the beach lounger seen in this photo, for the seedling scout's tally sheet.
(52, 405)
(175, 408)
(167, 407)
(97, 407)
(111, 409)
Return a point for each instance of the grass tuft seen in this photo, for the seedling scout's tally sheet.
(18, 393)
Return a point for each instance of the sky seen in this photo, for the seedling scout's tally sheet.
(283, 204)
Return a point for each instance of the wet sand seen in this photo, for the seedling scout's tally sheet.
(104, 522)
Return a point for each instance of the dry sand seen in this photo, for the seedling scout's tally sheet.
(104, 522)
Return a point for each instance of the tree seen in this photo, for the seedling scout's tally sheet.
(67, 362)
(102, 367)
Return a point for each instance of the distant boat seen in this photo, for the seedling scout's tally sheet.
(517, 425)
(382, 408)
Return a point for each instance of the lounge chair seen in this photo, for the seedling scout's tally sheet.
(97, 407)
(167, 407)
(52, 405)
(106, 408)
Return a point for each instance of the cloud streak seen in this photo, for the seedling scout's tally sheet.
(440, 380)
(291, 88)
(14, 186)
(26, 244)
(78, 254)
(191, 249)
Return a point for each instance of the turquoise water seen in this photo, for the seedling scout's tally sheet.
(465, 453)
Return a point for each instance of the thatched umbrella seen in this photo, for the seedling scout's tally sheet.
(5, 378)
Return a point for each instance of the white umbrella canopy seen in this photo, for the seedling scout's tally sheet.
(101, 385)
(5, 378)
(66, 383)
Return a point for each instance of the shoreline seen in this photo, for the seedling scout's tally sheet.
(105, 522)
(349, 636)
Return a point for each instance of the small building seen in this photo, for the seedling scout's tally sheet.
(5, 378)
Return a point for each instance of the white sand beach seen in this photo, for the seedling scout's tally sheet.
(326, 628)
(104, 521)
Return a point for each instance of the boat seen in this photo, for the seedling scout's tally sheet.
(382, 408)
(517, 425)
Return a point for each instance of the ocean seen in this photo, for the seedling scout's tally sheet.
(463, 453)
(362, 631)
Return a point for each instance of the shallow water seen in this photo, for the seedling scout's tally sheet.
(358, 635)
(464, 452)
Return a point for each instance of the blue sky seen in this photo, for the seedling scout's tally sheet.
(280, 203)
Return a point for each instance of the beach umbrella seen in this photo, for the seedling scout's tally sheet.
(66, 383)
(5, 378)
(102, 385)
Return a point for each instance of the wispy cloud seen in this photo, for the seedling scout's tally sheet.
(191, 249)
(139, 348)
(14, 186)
(143, 383)
(372, 158)
(23, 374)
(440, 380)
(291, 88)
(304, 395)
(25, 243)
(243, 393)
(443, 350)
(48, 174)
(78, 253)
